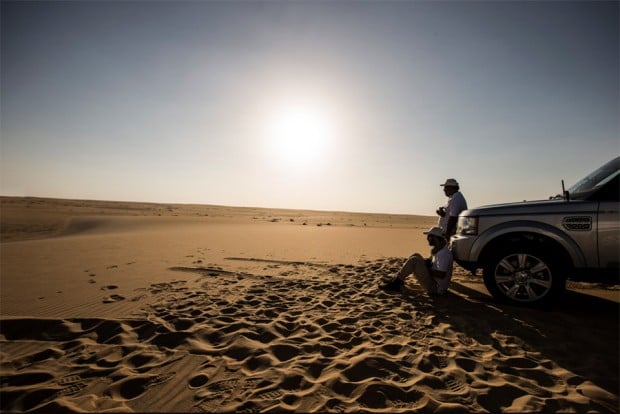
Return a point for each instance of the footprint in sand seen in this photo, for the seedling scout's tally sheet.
(113, 298)
(198, 381)
(109, 287)
(133, 387)
(71, 389)
(69, 379)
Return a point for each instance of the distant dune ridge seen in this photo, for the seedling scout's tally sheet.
(114, 306)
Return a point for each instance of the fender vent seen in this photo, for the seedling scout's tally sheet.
(578, 223)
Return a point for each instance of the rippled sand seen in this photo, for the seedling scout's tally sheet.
(146, 307)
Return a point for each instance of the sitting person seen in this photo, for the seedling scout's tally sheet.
(434, 273)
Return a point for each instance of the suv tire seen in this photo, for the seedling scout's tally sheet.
(523, 275)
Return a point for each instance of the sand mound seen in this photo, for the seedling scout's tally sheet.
(307, 337)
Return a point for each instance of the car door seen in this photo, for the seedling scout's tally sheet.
(609, 225)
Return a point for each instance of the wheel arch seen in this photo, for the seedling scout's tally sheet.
(543, 235)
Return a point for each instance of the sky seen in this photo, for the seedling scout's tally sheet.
(348, 106)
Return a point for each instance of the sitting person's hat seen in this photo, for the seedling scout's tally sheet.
(435, 231)
(450, 182)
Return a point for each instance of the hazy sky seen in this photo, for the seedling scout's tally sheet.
(356, 106)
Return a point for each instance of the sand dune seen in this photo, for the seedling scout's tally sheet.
(226, 313)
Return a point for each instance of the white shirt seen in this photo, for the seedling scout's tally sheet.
(442, 261)
(456, 204)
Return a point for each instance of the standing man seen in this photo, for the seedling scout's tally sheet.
(448, 215)
(434, 273)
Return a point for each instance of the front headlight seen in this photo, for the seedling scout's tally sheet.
(467, 225)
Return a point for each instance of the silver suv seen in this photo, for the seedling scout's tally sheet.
(528, 250)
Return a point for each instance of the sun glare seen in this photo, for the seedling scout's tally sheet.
(299, 134)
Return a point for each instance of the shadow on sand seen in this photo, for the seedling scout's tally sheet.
(579, 333)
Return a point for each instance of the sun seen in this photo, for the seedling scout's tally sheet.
(299, 134)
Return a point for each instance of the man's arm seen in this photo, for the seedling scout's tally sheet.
(451, 226)
(434, 273)
(438, 273)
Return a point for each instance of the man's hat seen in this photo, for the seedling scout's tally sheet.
(450, 182)
(435, 231)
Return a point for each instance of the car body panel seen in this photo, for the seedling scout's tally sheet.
(471, 248)
(547, 218)
(609, 235)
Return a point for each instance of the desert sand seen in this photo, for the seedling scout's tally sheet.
(114, 306)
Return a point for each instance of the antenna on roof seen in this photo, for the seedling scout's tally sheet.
(565, 193)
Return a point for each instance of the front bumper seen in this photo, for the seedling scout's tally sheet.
(461, 247)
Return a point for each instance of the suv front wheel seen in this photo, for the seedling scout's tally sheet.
(520, 275)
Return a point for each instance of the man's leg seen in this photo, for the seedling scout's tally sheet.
(416, 266)
(407, 269)
(410, 265)
(422, 274)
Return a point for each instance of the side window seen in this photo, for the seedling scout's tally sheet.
(609, 192)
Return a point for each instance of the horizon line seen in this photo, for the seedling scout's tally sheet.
(209, 205)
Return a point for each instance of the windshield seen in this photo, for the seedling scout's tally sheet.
(594, 181)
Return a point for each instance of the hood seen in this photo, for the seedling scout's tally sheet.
(534, 207)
